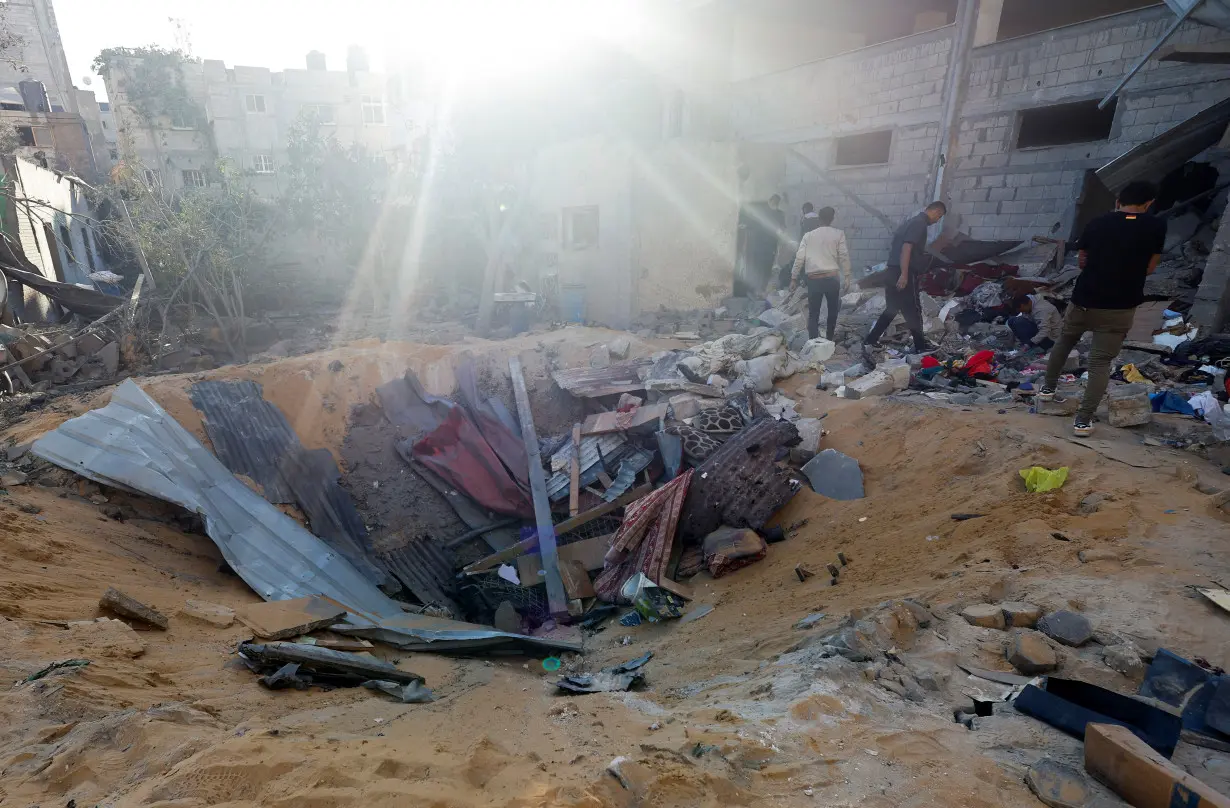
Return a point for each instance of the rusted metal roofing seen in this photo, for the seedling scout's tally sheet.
(426, 569)
(608, 381)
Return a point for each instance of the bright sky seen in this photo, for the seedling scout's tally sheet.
(267, 33)
(485, 39)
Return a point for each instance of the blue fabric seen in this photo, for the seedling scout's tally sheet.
(1171, 402)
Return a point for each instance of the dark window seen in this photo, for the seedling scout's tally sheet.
(66, 241)
(862, 150)
(1081, 122)
(580, 228)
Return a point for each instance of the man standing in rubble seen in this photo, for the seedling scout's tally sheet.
(1118, 252)
(809, 222)
(906, 261)
(825, 259)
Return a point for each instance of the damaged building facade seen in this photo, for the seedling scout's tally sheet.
(877, 108)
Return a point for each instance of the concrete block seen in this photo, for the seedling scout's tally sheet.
(876, 383)
(116, 601)
(110, 357)
(212, 613)
(1068, 406)
(1030, 654)
(1057, 785)
(1067, 627)
(90, 344)
(1129, 408)
(900, 373)
(1021, 615)
(985, 615)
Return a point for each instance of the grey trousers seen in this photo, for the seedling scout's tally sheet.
(1110, 328)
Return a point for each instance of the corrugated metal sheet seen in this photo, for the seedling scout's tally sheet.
(134, 445)
(252, 437)
(609, 449)
(608, 381)
(1154, 159)
(636, 461)
(425, 569)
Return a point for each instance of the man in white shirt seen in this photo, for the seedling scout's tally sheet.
(825, 260)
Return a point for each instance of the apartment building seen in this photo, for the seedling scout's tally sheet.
(38, 98)
(244, 115)
(877, 107)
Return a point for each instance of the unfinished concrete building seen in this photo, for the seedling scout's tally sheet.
(878, 107)
(244, 115)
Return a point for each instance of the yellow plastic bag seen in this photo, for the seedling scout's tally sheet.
(1039, 480)
(1131, 374)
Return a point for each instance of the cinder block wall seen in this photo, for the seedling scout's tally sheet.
(895, 85)
(1006, 192)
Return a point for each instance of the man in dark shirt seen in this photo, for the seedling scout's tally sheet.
(1118, 251)
(908, 258)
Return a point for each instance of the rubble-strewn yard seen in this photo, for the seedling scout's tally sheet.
(776, 691)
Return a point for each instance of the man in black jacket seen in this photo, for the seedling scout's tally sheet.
(1118, 251)
(906, 261)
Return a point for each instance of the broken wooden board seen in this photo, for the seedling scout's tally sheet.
(683, 386)
(557, 601)
(607, 422)
(1219, 596)
(281, 619)
(574, 484)
(1140, 775)
(576, 580)
(336, 642)
(590, 553)
(526, 545)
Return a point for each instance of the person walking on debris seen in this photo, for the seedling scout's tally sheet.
(808, 223)
(1118, 251)
(824, 257)
(1037, 323)
(908, 258)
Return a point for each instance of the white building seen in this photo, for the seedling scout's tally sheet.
(244, 115)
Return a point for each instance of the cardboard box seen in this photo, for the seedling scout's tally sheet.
(1141, 776)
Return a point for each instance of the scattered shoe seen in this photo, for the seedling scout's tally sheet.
(1083, 428)
(1047, 393)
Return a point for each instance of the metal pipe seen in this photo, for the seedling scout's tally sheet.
(1174, 26)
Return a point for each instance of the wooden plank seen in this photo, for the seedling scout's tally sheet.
(607, 422)
(526, 545)
(602, 510)
(557, 599)
(574, 485)
(590, 554)
(576, 580)
(1137, 773)
(605, 479)
(280, 619)
(1219, 596)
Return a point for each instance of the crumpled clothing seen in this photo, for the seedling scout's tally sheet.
(1169, 401)
(930, 362)
(980, 364)
(723, 352)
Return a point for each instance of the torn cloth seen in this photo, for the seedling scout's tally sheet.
(644, 541)
(728, 549)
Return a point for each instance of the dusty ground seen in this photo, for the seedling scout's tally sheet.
(741, 708)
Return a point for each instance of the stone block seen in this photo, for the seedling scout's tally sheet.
(835, 475)
(1057, 785)
(1021, 615)
(685, 406)
(116, 601)
(1129, 408)
(90, 344)
(900, 373)
(876, 383)
(212, 613)
(1067, 627)
(619, 347)
(810, 431)
(110, 357)
(1030, 654)
(1124, 658)
(1067, 406)
(985, 615)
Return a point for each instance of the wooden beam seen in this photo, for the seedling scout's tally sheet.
(557, 599)
(527, 545)
(574, 485)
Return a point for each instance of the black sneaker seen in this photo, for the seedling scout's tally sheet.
(1046, 393)
(1083, 427)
